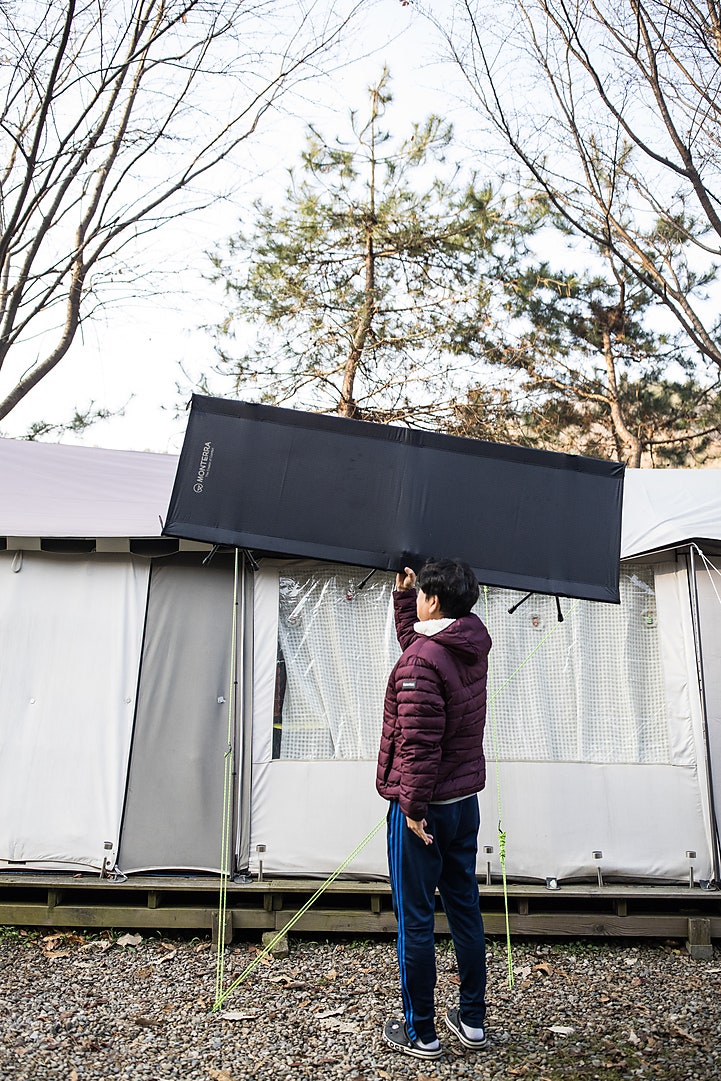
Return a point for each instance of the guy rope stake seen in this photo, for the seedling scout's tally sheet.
(221, 995)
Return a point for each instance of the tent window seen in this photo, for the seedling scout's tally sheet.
(592, 692)
(336, 645)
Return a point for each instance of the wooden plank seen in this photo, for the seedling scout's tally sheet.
(123, 916)
(322, 921)
(698, 943)
(215, 925)
(350, 906)
(163, 885)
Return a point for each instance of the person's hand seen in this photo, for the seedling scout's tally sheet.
(407, 579)
(419, 828)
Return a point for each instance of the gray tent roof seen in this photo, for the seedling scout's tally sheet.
(664, 508)
(50, 490)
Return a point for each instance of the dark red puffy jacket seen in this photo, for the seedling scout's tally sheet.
(434, 712)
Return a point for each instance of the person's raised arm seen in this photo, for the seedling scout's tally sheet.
(404, 606)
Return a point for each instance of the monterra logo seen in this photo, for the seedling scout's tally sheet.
(206, 460)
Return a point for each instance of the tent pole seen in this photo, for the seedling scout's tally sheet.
(239, 684)
(696, 623)
(242, 724)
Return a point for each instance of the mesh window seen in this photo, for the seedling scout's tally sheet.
(588, 689)
(593, 689)
(336, 646)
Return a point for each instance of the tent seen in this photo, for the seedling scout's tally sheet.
(116, 682)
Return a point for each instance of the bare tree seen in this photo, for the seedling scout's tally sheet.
(114, 118)
(613, 108)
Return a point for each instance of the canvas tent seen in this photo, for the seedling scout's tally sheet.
(115, 676)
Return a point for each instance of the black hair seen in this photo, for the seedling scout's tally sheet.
(453, 582)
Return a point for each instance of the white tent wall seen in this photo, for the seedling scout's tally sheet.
(642, 815)
(708, 580)
(307, 815)
(70, 638)
(630, 788)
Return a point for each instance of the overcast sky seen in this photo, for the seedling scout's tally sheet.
(132, 356)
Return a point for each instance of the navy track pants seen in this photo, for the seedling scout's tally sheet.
(416, 870)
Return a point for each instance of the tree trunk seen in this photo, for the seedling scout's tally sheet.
(628, 440)
(347, 406)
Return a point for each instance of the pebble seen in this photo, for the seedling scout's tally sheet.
(82, 1008)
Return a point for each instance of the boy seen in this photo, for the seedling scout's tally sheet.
(431, 767)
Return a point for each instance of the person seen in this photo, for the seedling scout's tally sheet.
(430, 767)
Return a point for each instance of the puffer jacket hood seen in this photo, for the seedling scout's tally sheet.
(434, 712)
(467, 638)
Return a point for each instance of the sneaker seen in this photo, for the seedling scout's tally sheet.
(395, 1034)
(454, 1023)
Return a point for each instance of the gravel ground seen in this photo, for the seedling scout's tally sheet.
(80, 1007)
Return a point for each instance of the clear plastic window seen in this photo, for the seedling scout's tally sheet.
(587, 689)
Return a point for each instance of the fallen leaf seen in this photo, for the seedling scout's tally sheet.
(545, 967)
(332, 975)
(220, 1075)
(633, 1038)
(562, 1030)
(238, 1015)
(165, 959)
(129, 940)
(331, 1013)
(147, 1022)
(57, 953)
(73, 1075)
(292, 985)
(686, 1035)
(336, 1025)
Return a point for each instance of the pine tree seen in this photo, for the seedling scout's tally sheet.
(366, 284)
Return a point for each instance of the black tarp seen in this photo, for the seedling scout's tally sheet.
(282, 481)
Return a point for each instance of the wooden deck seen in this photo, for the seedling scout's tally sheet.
(177, 902)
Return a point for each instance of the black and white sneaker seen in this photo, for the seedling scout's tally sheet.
(454, 1023)
(395, 1033)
